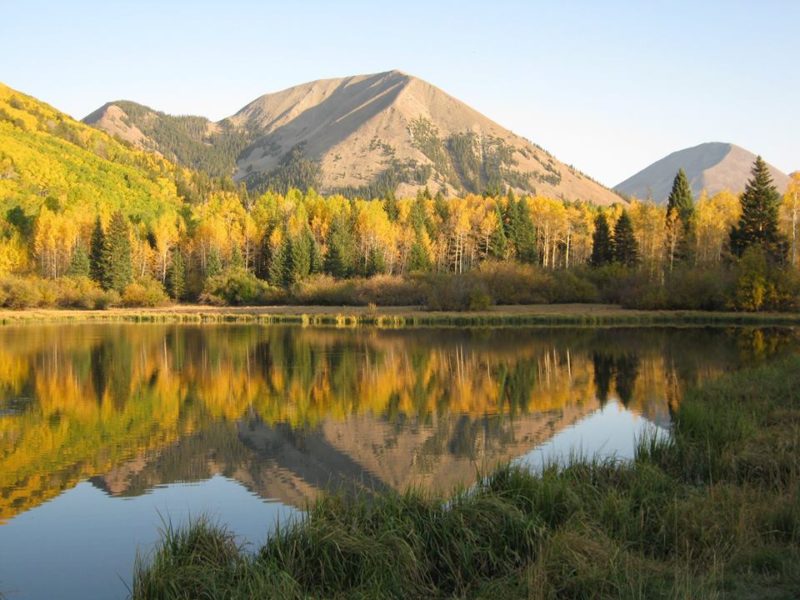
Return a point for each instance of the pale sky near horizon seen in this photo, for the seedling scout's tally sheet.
(609, 87)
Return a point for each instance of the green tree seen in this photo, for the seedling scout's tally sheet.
(299, 258)
(418, 259)
(280, 264)
(521, 231)
(498, 242)
(759, 221)
(391, 207)
(79, 264)
(339, 257)
(626, 249)
(117, 254)
(680, 238)
(176, 276)
(213, 263)
(97, 245)
(602, 244)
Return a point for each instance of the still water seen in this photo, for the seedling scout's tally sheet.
(109, 431)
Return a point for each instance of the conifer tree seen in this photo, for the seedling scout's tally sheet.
(521, 231)
(176, 276)
(680, 221)
(626, 249)
(391, 207)
(97, 247)
(418, 259)
(440, 206)
(339, 257)
(117, 254)
(758, 224)
(280, 265)
(79, 264)
(237, 260)
(498, 242)
(213, 263)
(299, 259)
(602, 244)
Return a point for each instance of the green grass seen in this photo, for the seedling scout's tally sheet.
(713, 512)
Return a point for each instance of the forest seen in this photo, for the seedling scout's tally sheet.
(88, 221)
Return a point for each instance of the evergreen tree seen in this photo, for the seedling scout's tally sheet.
(79, 264)
(680, 221)
(176, 275)
(237, 260)
(117, 254)
(213, 263)
(498, 242)
(440, 207)
(521, 231)
(391, 207)
(299, 255)
(97, 245)
(376, 263)
(339, 257)
(626, 249)
(602, 244)
(280, 265)
(759, 221)
(418, 259)
(418, 215)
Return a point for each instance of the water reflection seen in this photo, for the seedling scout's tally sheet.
(289, 411)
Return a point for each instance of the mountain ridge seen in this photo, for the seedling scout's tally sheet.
(362, 135)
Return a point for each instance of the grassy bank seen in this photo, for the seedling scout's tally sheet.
(399, 316)
(714, 512)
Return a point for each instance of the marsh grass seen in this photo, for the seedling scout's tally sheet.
(711, 512)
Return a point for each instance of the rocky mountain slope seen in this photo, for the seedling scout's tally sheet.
(362, 135)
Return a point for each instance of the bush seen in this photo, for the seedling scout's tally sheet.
(325, 290)
(238, 287)
(145, 293)
(513, 283)
(457, 292)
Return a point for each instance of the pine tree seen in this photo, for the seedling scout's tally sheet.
(176, 275)
(117, 254)
(339, 257)
(237, 260)
(376, 263)
(418, 259)
(391, 207)
(213, 263)
(79, 264)
(680, 221)
(280, 265)
(602, 244)
(521, 230)
(626, 249)
(299, 263)
(498, 242)
(759, 221)
(97, 245)
(440, 207)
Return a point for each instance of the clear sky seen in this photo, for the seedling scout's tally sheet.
(607, 86)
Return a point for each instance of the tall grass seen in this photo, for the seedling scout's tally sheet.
(713, 511)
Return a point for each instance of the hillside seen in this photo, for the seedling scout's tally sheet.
(363, 135)
(48, 159)
(713, 167)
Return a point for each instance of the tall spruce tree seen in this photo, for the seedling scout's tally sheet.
(626, 249)
(213, 262)
(117, 254)
(758, 224)
(418, 259)
(97, 246)
(680, 221)
(602, 244)
(521, 230)
(176, 276)
(498, 242)
(79, 264)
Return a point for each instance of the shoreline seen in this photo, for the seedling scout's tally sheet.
(587, 315)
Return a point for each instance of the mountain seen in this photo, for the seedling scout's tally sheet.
(713, 167)
(361, 135)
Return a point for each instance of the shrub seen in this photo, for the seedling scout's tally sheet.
(457, 292)
(513, 283)
(238, 287)
(145, 293)
(325, 290)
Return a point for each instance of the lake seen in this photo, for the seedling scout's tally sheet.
(110, 432)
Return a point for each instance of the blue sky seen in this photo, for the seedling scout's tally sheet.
(607, 86)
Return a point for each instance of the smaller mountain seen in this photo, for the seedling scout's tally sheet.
(713, 167)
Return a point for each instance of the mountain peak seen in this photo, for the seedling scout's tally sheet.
(711, 167)
(364, 135)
